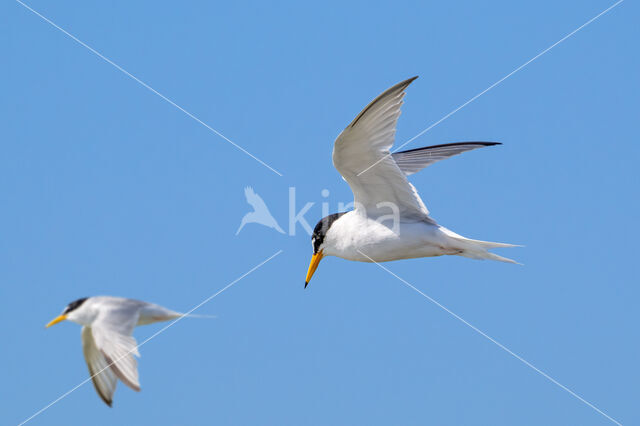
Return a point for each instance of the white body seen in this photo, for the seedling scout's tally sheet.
(142, 313)
(364, 239)
(357, 237)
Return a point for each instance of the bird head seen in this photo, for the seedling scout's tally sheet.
(71, 312)
(319, 243)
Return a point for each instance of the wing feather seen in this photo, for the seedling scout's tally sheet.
(119, 349)
(104, 379)
(367, 141)
(112, 334)
(414, 160)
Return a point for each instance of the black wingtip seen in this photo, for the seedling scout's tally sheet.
(306, 283)
(442, 145)
(406, 83)
(483, 143)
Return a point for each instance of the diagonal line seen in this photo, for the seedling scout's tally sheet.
(162, 330)
(133, 77)
(500, 345)
(494, 84)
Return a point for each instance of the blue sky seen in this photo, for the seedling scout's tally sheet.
(108, 189)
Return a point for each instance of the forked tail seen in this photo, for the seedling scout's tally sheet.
(477, 249)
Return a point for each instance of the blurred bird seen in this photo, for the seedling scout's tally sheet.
(378, 180)
(108, 346)
(260, 213)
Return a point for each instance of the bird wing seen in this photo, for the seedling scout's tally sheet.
(414, 160)
(367, 141)
(255, 200)
(104, 379)
(111, 332)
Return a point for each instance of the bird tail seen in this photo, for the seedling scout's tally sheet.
(477, 249)
(199, 316)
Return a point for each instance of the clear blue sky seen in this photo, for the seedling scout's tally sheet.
(108, 189)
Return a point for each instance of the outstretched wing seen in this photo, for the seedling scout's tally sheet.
(103, 377)
(362, 156)
(108, 343)
(414, 160)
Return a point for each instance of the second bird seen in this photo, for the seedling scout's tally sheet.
(107, 343)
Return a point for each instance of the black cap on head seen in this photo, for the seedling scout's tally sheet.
(321, 229)
(74, 305)
(317, 239)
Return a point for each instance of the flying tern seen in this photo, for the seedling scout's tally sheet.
(389, 220)
(109, 348)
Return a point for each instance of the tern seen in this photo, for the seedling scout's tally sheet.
(389, 220)
(109, 349)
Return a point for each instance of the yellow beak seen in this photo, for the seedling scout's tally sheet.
(315, 260)
(56, 320)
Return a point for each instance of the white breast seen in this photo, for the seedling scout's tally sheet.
(360, 238)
